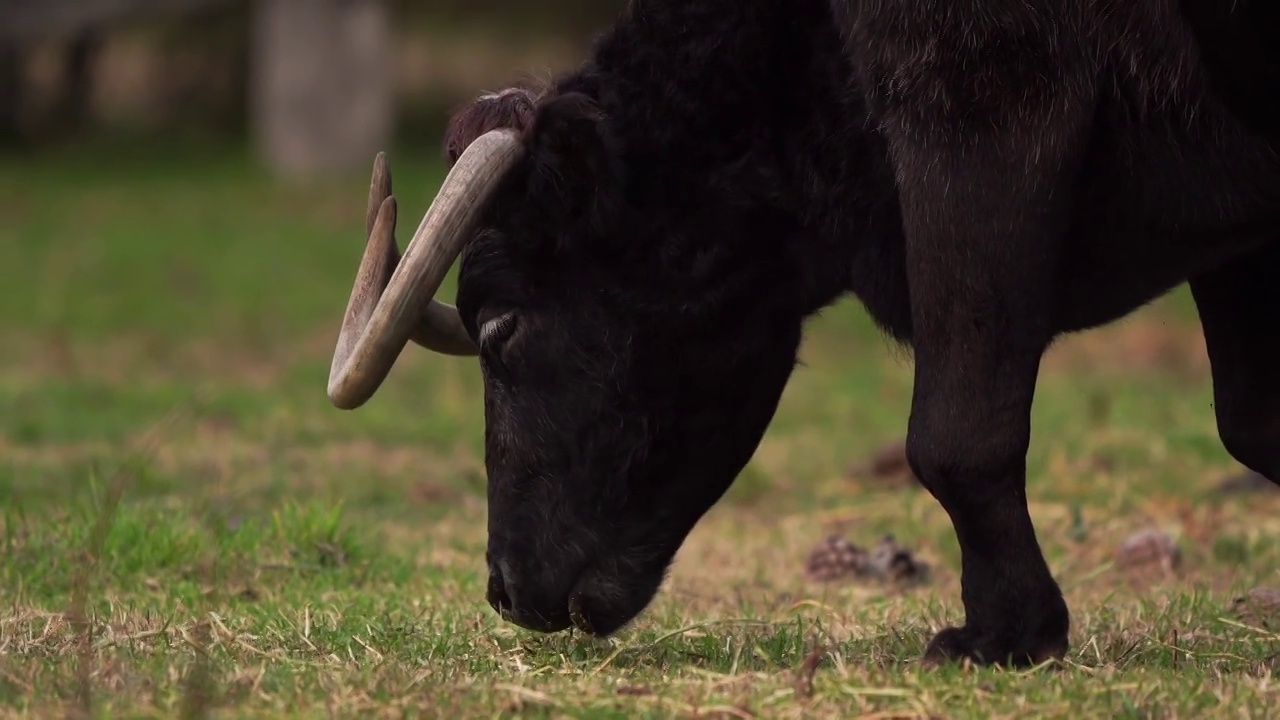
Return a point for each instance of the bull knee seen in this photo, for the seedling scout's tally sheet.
(959, 460)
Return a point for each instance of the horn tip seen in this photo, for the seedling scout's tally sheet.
(341, 399)
(384, 226)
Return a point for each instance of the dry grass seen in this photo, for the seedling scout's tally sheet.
(188, 528)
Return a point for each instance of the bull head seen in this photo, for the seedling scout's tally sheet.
(632, 354)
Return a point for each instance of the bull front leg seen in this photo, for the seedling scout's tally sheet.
(981, 248)
(986, 194)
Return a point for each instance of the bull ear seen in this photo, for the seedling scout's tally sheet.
(575, 169)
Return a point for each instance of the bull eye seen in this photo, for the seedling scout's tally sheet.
(498, 329)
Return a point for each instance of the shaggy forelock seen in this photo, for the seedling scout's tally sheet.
(511, 108)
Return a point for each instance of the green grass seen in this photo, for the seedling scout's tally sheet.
(187, 526)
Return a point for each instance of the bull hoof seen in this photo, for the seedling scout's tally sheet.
(955, 645)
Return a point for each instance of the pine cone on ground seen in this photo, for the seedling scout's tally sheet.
(835, 558)
(1149, 548)
(895, 563)
(1259, 606)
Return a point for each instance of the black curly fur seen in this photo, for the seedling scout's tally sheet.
(984, 175)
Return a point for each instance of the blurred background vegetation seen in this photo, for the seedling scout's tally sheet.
(182, 189)
(309, 85)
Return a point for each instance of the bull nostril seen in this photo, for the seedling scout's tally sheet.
(578, 613)
(498, 597)
(525, 598)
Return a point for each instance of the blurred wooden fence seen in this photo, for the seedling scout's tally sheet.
(27, 21)
(318, 84)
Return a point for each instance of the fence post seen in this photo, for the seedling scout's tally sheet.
(322, 90)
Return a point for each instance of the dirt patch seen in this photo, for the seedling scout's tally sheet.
(1141, 343)
(887, 467)
(220, 460)
(130, 357)
(1245, 483)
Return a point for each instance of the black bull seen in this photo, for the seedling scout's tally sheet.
(642, 239)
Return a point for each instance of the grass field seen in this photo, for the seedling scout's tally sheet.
(188, 527)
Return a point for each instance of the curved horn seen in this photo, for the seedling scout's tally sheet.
(392, 299)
